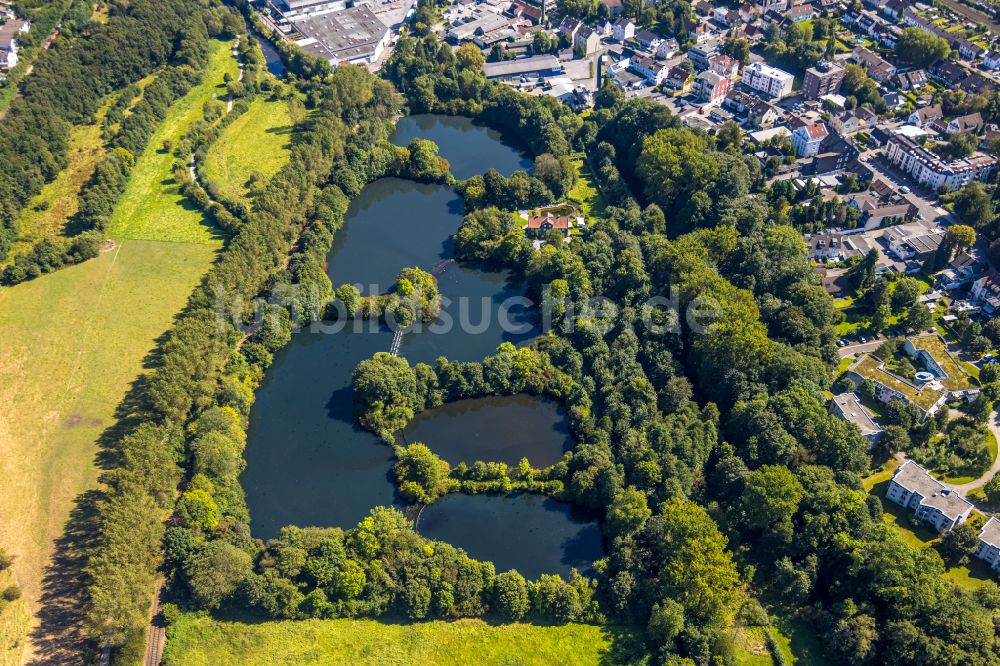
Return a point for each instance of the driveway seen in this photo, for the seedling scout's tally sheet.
(850, 350)
(927, 207)
(966, 488)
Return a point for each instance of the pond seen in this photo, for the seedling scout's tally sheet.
(469, 146)
(308, 463)
(530, 533)
(495, 429)
(274, 63)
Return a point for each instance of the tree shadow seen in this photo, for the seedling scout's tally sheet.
(59, 637)
(626, 647)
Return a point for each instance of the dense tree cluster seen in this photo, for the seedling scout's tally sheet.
(920, 48)
(71, 79)
(381, 567)
(414, 297)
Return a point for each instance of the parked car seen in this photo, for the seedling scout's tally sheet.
(905, 189)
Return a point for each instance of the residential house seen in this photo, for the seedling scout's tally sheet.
(925, 116)
(747, 13)
(986, 292)
(678, 79)
(807, 139)
(8, 41)
(522, 10)
(605, 29)
(822, 79)
(894, 8)
(539, 225)
(648, 39)
(767, 79)
(878, 211)
(653, 71)
(927, 397)
(703, 8)
(569, 27)
(614, 6)
(835, 246)
(989, 543)
(960, 272)
(624, 29)
(758, 112)
(725, 65)
(765, 6)
(700, 55)
(801, 13)
(711, 87)
(835, 154)
(667, 48)
(878, 68)
(992, 60)
(700, 32)
(933, 502)
(848, 407)
(846, 122)
(915, 79)
(948, 72)
(587, 41)
(968, 124)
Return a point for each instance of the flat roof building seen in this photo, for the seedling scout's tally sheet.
(353, 35)
(543, 65)
(822, 79)
(771, 80)
(848, 407)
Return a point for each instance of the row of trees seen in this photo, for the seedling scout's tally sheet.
(380, 567)
(68, 84)
(202, 382)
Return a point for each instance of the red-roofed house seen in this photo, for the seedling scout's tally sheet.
(807, 139)
(539, 225)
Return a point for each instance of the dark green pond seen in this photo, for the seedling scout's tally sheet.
(530, 533)
(495, 429)
(307, 461)
(469, 146)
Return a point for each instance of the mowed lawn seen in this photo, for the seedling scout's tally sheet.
(152, 207)
(257, 142)
(73, 342)
(197, 641)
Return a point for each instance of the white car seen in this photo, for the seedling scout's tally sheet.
(904, 189)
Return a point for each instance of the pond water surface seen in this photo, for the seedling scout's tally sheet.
(469, 146)
(495, 429)
(308, 463)
(530, 533)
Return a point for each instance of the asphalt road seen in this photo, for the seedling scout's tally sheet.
(927, 207)
(850, 350)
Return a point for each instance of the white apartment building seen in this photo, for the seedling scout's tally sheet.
(927, 168)
(933, 502)
(989, 543)
(767, 79)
